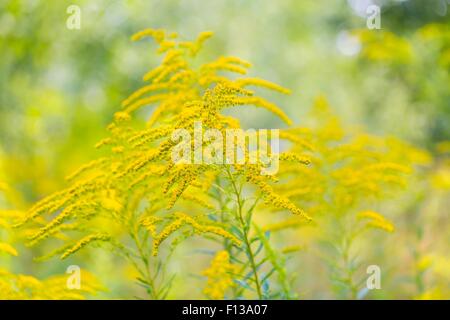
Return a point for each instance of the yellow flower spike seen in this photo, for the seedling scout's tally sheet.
(376, 220)
(118, 149)
(181, 220)
(220, 276)
(262, 103)
(203, 36)
(197, 44)
(166, 45)
(102, 143)
(156, 34)
(167, 72)
(150, 224)
(122, 116)
(97, 237)
(272, 198)
(68, 212)
(289, 156)
(86, 167)
(261, 83)
(149, 135)
(234, 60)
(197, 199)
(153, 73)
(7, 248)
(165, 233)
(111, 203)
(232, 64)
(146, 89)
(145, 101)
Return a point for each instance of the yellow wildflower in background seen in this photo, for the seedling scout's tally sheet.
(220, 276)
(24, 287)
(376, 220)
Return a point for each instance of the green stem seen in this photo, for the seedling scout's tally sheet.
(245, 230)
(144, 258)
(347, 242)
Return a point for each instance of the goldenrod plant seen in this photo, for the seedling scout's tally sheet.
(139, 203)
(353, 175)
(186, 194)
(22, 287)
(136, 198)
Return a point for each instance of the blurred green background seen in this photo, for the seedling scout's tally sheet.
(60, 87)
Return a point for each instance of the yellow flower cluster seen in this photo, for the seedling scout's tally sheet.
(136, 189)
(7, 248)
(385, 46)
(376, 220)
(274, 199)
(220, 276)
(84, 242)
(134, 198)
(179, 220)
(139, 167)
(23, 287)
(346, 168)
